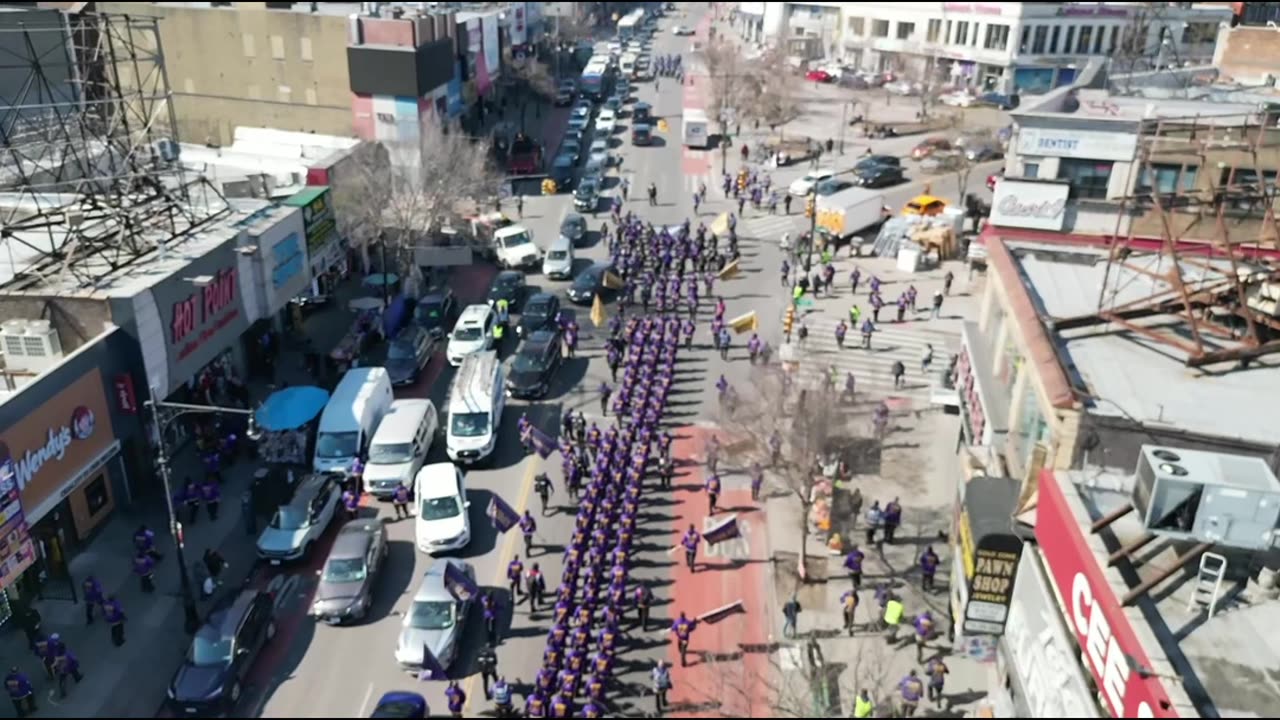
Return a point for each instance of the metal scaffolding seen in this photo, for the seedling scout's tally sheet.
(1206, 290)
(90, 178)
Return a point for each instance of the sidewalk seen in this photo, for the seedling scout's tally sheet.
(155, 639)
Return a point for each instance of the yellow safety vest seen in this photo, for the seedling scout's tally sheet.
(863, 708)
(497, 332)
(893, 612)
(797, 293)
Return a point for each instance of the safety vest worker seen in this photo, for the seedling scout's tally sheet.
(503, 308)
(498, 331)
(862, 705)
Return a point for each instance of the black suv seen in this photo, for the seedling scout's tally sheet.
(435, 312)
(535, 364)
(209, 682)
(539, 312)
(507, 285)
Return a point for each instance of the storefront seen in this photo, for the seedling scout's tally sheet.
(326, 255)
(1037, 674)
(65, 459)
(984, 401)
(986, 554)
(280, 266)
(1093, 614)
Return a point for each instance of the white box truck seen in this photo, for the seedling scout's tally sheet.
(696, 128)
(842, 215)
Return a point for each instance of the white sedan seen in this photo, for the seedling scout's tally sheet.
(681, 30)
(957, 99)
(804, 185)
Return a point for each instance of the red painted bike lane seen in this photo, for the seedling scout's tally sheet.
(729, 670)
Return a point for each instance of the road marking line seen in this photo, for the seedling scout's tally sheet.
(364, 704)
(504, 557)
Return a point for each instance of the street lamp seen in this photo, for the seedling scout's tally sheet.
(190, 612)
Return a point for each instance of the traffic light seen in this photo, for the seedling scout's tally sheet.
(789, 320)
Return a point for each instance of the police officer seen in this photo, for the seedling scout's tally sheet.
(487, 661)
(114, 615)
(400, 501)
(93, 597)
(20, 691)
(528, 526)
(661, 686)
(863, 705)
(456, 698)
(542, 484)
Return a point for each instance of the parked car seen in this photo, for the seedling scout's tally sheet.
(681, 30)
(579, 122)
(999, 100)
(804, 185)
(574, 227)
(873, 160)
(590, 283)
(876, 176)
(614, 103)
(981, 152)
(507, 285)
(562, 168)
(853, 82)
(819, 76)
(929, 146)
(571, 147)
(435, 620)
(539, 312)
(297, 525)
(408, 354)
(400, 704)
(564, 97)
(831, 186)
(435, 311)
(535, 364)
(902, 87)
(587, 196)
(345, 591)
(210, 679)
(607, 115)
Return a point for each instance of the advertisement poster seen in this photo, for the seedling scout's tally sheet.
(519, 32)
(17, 551)
(492, 58)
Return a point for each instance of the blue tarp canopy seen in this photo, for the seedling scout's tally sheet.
(291, 408)
(380, 279)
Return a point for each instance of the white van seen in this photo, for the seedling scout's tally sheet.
(400, 446)
(558, 264)
(476, 400)
(357, 405)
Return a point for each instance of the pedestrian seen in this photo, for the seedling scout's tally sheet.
(742, 201)
(661, 686)
(892, 519)
(928, 568)
(863, 706)
(848, 605)
(790, 617)
(29, 620)
(66, 665)
(247, 511)
(724, 340)
(211, 494)
(520, 212)
(683, 628)
(191, 498)
(937, 305)
(875, 516)
(351, 503)
(214, 563)
(937, 671)
(946, 282)
(853, 563)
(841, 329)
(114, 615)
(690, 542)
(542, 485)
(899, 374)
(487, 662)
(536, 586)
(923, 626)
(902, 307)
(91, 589)
(456, 698)
(713, 493)
(644, 601)
(489, 604)
(21, 693)
(144, 567)
(528, 526)
(910, 689)
(757, 480)
(867, 329)
(515, 569)
(653, 195)
(926, 358)
(786, 203)
(400, 501)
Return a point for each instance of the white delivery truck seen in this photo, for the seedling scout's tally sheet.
(696, 128)
(845, 214)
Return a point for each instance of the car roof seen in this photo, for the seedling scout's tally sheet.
(308, 488)
(432, 587)
(474, 314)
(573, 217)
(540, 338)
(507, 275)
(437, 480)
(226, 614)
(354, 539)
(540, 298)
(400, 424)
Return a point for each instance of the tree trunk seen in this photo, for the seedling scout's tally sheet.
(802, 566)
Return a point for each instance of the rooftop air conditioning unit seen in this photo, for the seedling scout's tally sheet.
(30, 345)
(1228, 500)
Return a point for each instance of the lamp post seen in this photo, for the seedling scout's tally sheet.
(191, 614)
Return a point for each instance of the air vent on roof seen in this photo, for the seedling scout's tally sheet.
(30, 345)
(1168, 455)
(1171, 469)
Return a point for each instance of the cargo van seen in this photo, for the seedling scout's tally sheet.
(400, 446)
(357, 405)
(477, 398)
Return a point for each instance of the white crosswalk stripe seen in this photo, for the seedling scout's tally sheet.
(771, 227)
(873, 370)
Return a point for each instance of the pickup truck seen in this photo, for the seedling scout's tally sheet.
(525, 156)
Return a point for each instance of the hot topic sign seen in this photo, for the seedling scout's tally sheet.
(208, 310)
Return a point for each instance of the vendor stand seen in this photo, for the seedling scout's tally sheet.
(364, 332)
(286, 420)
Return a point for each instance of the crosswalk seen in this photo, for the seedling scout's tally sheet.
(873, 369)
(771, 227)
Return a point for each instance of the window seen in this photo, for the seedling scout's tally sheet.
(906, 30)
(1086, 34)
(1162, 179)
(1041, 37)
(962, 32)
(879, 28)
(277, 47)
(1031, 170)
(1053, 39)
(799, 32)
(1088, 178)
(249, 50)
(933, 31)
(284, 93)
(1200, 32)
(973, 39)
(858, 26)
(947, 37)
(1071, 35)
(997, 37)
(311, 96)
(1115, 35)
(1026, 39)
(97, 495)
(1097, 41)
(304, 49)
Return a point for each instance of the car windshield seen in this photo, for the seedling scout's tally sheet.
(429, 312)
(557, 254)
(528, 362)
(344, 570)
(401, 350)
(469, 424)
(337, 444)
(290, 518)
(537, 310)
(431, 615)
(467, 334)
(390, 453)
(586, 189)
(441, 508)
(508, 282)
(210, 649)
(516, 240)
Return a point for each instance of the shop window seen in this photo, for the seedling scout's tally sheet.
(1031, 170)
(933, 31)
(1088, 178)
(962, 32)
(906, 30)
(1053, 39)
(1097, 41)
(1115, 38)
(1070, 38)
(1086, 34)
(1041, 38)
(96, 494)
(880, 28)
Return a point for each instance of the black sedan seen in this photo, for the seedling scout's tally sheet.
(876, 176)
(539, 312)
(535, 364)
(587, 196)
(507, 285)
(210, 679)
(590, 283)
(574, 227)
(868, 161)
(345, 592)
(408, 354)
(435, 312)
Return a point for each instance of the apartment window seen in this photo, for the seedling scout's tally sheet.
(962, 32)
(1071, 36)
(880, 28)
(1082, 44)
(1026, 39)
(973, 39)
(249, 50)
(1053, 39)
(1115, 38)
(1097, 41)
(858, 26)
(1031, 170)
(997, 37)
(1088, 178)
(1040, 38)
(304, 49)
(1162, 179)
(947, 38)
(284, 93)
(311, 96)
(906, 30)
(277, 47)
(934, 30)
(799, 32)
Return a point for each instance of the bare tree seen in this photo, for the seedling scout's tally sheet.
(533, 83)
(400, 193)
(772, 91)
(732, 86)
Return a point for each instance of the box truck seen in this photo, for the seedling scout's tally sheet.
(696, 129)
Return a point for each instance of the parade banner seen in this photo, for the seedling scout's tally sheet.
(597, 312)
(504, 517)
(731, 271)
(542, 443)
(723, 612)
(461, 587)
(726, 530)
(612, 281)
(745, 323)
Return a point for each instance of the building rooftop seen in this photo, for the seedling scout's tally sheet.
(1095, 104)
(263, 162)
(1226, 662)
(1131, 376)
